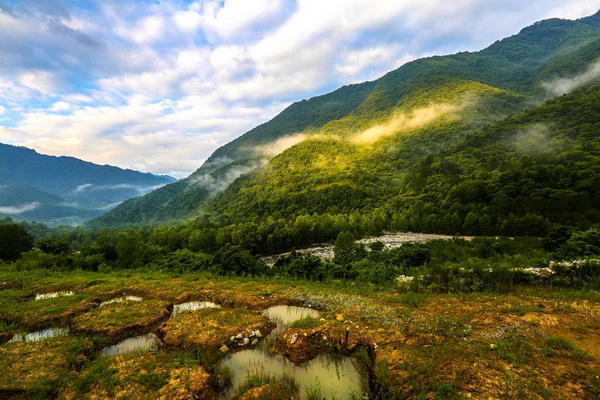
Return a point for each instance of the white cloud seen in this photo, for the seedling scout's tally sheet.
(60, 106)
(41, 81)
(158, 86)
(2, 110)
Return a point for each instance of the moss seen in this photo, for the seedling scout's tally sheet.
(140, 376)
(117, 320)
(37, 366)
(211, 327)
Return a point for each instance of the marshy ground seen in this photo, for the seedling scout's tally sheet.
(533, 344)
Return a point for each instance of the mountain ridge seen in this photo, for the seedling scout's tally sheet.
(521, 64)
(64, 189)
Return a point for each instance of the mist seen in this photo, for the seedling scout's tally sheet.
(216, 185)
(19, 209)
(405, 121)
(562, 86)
(88, 187)
(277, 147)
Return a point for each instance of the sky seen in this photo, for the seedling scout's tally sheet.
(157, 86)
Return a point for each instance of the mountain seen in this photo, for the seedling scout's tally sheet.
(399, 144)
(64, 190)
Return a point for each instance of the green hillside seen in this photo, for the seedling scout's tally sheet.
(376, 145)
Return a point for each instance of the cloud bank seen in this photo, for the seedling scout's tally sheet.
(158, 86)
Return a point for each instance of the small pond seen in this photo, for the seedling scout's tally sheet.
(334, 376)
(121, 300)
(40, 335)
(43, 296)
(149, 342)
(192, 306)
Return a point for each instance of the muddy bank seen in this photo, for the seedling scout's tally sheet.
(301, 345)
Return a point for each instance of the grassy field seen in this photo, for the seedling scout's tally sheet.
(533, 343)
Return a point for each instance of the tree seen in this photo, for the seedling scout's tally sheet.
(14, 240)
(346, 250)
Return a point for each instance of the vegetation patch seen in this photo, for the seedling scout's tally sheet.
(264, 387)
(119, 320)
(141, 376)
(211, 328)
(39, 366)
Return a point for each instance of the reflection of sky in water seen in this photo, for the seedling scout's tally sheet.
(40, 335)
(53, 295)
(121, 300)
(192, 306)
(149, 342)
(336, 378)
(283, 316)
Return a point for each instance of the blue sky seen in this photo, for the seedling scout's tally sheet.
(159, 85)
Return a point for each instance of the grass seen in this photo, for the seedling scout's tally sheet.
(271, 388)
(516, 349)
(117, 319)
(558, 346)
(427, 344)
(306, 323)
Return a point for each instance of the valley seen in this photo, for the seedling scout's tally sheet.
(433, 233)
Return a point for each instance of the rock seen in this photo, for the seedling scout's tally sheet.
(73, 374)
(294, 338)
(81, 359)
(239, 336)
(258, 334)
(232, 339)
(493, 346)
(246, 341)
(254, 342)
(339, 317)
(224, 349)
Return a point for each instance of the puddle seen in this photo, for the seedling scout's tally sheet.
(53, 295)
(121, 300)
(192, 306)
(149, 342)
(40, 335)
(284, 316)
(336, 377)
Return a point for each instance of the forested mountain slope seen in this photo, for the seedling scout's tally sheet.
(374, 145)
(58, 190)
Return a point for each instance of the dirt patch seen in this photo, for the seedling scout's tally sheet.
(213, 327)
(119, 320)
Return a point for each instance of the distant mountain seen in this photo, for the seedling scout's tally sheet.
(65, 190)
(378, 145)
